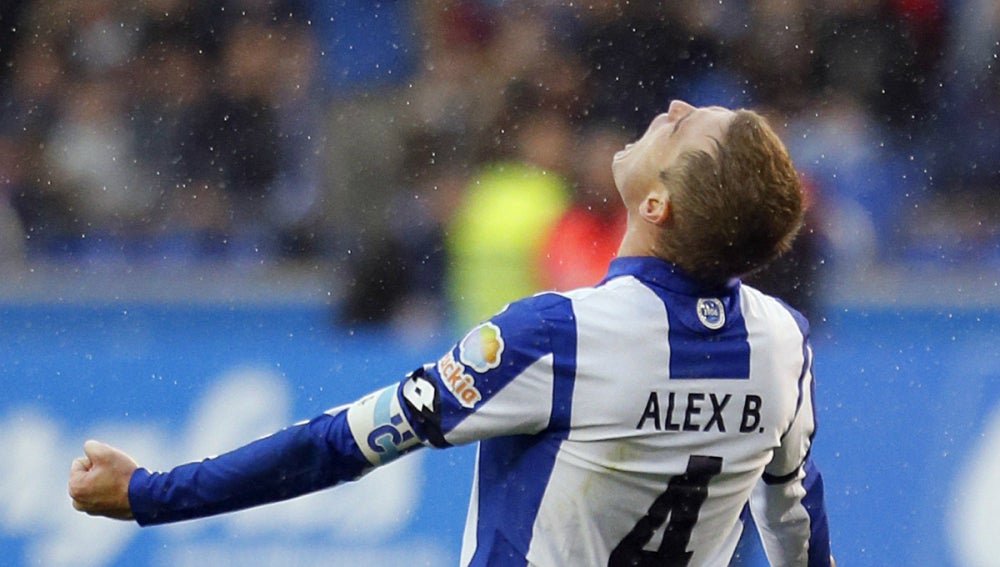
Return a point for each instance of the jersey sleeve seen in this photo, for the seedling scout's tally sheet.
(340, 445)
(297, 460)
(499, 379)
(788, 502)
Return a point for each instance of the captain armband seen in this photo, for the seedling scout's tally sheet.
(380, 427)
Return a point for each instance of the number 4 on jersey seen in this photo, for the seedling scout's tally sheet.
(680, 504)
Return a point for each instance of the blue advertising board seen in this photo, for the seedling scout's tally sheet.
(910, 434)
(908, 403)
(173, 383)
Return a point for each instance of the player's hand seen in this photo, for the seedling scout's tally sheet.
(98, 481)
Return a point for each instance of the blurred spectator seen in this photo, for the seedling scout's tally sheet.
(959, 221)
(585, 238)
(260, 138)
(36, 80)
(778, 30)
(845, 155)
(172, 121)
(185, 119)
(640, 55)
(92, 159)
(12, 236)
(280, 130)
(497, 231)
(970, 117)
(401, 280)
(10, 24)
(451, 94)
(367, 54)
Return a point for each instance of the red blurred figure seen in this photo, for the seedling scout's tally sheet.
(586, 237)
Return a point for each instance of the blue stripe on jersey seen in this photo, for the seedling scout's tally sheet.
(514, 470)
(563, 333)
(701, 352)
(533, 335)
(696, 351)
(819, 537)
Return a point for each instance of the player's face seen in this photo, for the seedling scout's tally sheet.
(683, 128)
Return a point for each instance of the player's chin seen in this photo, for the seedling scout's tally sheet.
(622, 153)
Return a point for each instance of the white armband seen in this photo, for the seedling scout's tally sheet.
(380, 427)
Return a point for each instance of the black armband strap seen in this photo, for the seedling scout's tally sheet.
(423, 403)
(771, 480)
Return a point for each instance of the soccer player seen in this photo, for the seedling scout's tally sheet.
(629, 423)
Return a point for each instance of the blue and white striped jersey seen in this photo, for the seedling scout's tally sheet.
(630, 423)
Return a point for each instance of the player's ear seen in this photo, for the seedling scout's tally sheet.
(655, 207)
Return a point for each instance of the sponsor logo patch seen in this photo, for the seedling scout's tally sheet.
(711, 312)
(481, 348)
(458, 382)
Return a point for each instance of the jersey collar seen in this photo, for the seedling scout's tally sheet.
(665, 274)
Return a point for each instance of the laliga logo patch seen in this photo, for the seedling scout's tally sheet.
(481, 348)
(711, 313)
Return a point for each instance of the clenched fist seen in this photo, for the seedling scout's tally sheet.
(98, 481)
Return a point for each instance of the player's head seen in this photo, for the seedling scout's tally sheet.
(713, 190)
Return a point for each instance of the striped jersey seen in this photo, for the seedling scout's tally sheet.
(630, 423)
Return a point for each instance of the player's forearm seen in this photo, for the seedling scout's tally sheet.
(301, 459)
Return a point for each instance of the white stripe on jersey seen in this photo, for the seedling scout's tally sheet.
(513, 410)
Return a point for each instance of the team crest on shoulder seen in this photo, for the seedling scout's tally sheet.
(711, 312)
(481, 348)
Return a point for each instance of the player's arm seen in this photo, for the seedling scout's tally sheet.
(337, 446)
(788, 502)
(791, 518)
(346, 442)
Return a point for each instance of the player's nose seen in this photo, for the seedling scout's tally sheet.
(678, 108)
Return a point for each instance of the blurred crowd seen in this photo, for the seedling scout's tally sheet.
(456, 152)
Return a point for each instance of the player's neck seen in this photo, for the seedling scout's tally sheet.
(639, 239)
